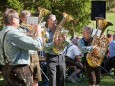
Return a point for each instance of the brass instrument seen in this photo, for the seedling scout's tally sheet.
(60, 31)
(42, 14)
(26, 26)
(96, 57)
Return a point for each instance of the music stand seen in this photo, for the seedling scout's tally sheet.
(107, 72)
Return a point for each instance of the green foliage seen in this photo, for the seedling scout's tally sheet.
(78, 9)
(15, 4)
(110, 4)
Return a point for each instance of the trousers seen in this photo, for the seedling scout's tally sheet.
(56, 69)
(35, 67)
(93, 74)
(19, 75)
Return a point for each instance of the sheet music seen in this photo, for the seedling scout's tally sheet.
(32, 20)
(96, 32)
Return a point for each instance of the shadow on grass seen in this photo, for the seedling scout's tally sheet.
(84, 83)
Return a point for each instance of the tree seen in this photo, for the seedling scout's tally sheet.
(78, 9)
(110, 4)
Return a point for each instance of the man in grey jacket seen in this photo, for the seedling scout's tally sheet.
(14, 50)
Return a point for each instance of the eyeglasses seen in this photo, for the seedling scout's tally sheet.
(53, 21)
(17, 18)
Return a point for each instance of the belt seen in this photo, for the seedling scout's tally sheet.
(69, 59)
(50, 55)
(20, 65)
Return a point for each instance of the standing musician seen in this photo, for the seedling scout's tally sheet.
(55, 62)
(15, 48)
(85, 47)
(35, 66)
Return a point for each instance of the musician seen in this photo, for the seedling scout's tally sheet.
(85, 47)
(16, 60)
(111, 60)
(55, 62)
(110, 37)
(73, 55)
(107, 61)
(35, 66)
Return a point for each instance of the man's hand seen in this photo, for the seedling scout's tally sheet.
(37, 29)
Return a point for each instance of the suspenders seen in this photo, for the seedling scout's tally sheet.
(4, 56)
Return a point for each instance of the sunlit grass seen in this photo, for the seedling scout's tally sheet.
(105, 81)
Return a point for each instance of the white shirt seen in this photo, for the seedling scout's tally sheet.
(73, 51)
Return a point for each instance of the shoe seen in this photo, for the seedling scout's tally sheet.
(71, 79)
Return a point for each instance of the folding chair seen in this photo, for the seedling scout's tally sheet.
(107, 72)
(71, 64)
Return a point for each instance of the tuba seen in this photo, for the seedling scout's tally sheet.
(42, 14)
(60, 31)
(96, 57)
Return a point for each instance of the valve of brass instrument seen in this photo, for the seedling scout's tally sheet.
(61, 37)
(45, 36)
(31, 32)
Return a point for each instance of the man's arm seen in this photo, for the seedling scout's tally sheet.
(83, 48)
(23, 41)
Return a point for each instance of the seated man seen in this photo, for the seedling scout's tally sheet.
(73, 56)
(106, 63)
(112, 51)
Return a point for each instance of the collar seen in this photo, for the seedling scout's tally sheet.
(49, 30)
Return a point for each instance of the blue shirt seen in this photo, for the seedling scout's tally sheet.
(84, 49)
(112, 48)
(17, 46)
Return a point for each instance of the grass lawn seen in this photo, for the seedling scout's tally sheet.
(105, 81)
